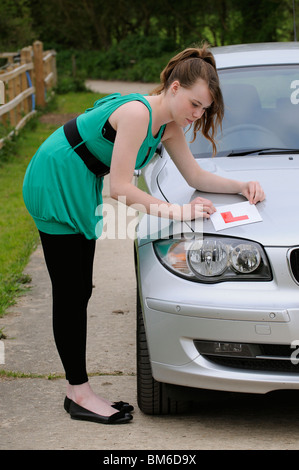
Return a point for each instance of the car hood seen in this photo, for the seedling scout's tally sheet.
(279, 177)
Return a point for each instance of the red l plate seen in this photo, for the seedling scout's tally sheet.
(228, 217)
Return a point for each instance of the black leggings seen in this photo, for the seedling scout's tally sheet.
(69, 259)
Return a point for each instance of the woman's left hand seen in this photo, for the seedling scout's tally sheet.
(253, 191)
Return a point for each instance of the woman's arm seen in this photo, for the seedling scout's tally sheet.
(131, 132)
(177, 147)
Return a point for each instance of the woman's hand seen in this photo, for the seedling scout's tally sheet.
(199, 207)
(253, 191)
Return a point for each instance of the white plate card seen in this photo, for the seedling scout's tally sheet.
(235, 214)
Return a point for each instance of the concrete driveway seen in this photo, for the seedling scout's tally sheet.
(31, 404)
(103, 86)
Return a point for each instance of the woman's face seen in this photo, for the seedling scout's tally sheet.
(189, 104)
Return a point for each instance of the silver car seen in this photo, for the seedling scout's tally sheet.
(218, 310)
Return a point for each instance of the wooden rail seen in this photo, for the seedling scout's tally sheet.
(28, 80)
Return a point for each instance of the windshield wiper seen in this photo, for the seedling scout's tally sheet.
(278, 151)
(261, 151)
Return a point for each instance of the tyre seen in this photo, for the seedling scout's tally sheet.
(153, 397)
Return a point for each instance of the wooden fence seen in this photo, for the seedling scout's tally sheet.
(28, 78)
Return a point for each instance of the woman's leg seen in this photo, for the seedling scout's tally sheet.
(69, 259)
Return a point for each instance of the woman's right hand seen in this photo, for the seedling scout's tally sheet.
(198, 207)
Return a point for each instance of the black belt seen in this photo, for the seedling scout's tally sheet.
(74, 138)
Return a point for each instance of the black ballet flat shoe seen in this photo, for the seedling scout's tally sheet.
(123, 406)
(118, 405)
(79, 413)
(67, 404)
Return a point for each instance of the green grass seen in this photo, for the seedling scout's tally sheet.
(76, 102)
(18, 233)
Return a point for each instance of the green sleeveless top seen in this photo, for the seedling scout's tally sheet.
(59, 191)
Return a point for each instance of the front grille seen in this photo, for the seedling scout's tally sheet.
(294, 263)
(270, 357)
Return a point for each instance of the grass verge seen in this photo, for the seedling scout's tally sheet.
(4, 374)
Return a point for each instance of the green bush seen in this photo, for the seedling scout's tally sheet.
(133, 59)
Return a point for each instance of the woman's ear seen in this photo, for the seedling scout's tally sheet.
(174, 87)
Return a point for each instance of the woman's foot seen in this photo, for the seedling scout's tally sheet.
(84, 396)
(82, 414)
(118, 405)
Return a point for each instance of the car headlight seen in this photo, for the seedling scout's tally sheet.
(214, 259)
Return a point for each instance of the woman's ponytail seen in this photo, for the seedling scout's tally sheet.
(187, 67)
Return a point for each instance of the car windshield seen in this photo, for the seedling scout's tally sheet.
(261, 112)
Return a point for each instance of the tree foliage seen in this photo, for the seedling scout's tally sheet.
(98, 24)
(15, 24)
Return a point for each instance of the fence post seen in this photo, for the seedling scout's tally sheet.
(25, 59)
(2, 92)
(39, 74)
(11, 96)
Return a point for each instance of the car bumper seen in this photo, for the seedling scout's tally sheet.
(178, 312)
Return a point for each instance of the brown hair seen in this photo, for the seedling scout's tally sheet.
(187, 69)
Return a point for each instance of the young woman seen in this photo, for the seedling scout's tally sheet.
(63, 185)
